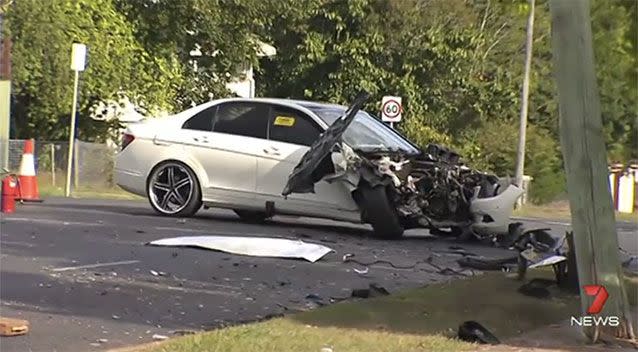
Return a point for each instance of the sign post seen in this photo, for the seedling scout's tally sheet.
(78, 59)
(391, 109)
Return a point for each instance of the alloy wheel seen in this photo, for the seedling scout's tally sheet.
(171, 188)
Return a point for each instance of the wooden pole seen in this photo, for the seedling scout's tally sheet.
(522, 132)
(584, 155)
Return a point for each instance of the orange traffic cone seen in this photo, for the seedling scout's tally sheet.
(27, 181)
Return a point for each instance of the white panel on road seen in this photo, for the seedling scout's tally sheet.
(252, 246)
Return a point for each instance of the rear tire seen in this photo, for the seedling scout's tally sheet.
(173, 190)
(252, 216)
(379, 213)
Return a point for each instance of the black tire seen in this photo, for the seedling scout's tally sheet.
(378, 212)
(252, 216)
(190, 196)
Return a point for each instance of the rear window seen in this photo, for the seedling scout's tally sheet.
(202, 121)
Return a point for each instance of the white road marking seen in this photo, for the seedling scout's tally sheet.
(561, 223)
(21, 244)
(97, 265)
(51, 221)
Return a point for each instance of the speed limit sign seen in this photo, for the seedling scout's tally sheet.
(391, 109)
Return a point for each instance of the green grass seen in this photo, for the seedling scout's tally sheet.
(283, 335)
(47, 189)
(424, 319)
(560, 211)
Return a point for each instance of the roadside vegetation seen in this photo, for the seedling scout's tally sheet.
(457, 64)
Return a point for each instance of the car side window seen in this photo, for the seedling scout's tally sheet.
(202, 121)
(242, 119)
(292, 126)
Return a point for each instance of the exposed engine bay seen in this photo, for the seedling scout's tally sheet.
(431, 189)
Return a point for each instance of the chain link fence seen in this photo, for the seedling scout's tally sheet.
(93, 167)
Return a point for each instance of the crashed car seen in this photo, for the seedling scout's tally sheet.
(264, 157)
(398, 186)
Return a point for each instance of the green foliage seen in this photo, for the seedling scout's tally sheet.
(497, 139)
(43, 32)
(458, 64)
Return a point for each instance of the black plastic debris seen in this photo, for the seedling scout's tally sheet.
(372, 291)
(498, 264)
(472, 331)
(315, 299)
(514, 231)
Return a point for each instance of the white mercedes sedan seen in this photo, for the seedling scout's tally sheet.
(264, 157)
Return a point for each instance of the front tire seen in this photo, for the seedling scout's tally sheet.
(173, 190)
(379, 212)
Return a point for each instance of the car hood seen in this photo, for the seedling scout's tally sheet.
(305, 175)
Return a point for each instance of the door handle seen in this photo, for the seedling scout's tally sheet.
(271, 151)
(157, 141)
(201, 139)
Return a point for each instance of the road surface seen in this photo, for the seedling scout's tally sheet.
(80, 272)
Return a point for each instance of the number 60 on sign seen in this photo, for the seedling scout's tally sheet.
(391, 109)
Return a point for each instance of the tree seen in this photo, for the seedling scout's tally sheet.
(43, 32)
(211, 39)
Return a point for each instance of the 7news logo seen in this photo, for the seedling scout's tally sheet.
(600, 295)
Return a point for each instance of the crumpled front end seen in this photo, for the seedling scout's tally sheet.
(432, 190)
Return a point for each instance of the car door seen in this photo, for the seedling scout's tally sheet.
(225, 140)
(290, 133)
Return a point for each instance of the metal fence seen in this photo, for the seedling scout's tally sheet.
(93, 167)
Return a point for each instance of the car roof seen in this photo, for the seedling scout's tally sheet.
(303, 103)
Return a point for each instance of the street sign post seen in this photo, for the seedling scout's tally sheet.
(78, 60)
(391, 109)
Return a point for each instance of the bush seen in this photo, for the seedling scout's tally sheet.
(498, 140)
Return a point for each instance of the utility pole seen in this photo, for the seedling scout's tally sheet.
(585, 159)
(522, 132)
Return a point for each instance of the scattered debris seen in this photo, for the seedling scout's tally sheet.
(183, 332)
(361, 272)
(154, 273)
(349, 258)
(252, 246)
(472, 331)
(181, 221)
(115, 317)
(537, 248)
(316, 300)
(326, 349)
(487, 264)
(372, 291)
(102, 340)
(13, 327)
(140, 231)
(158, 337)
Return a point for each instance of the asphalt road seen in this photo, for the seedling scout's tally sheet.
(80, 272)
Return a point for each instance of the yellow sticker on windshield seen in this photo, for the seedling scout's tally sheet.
(286, 121)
